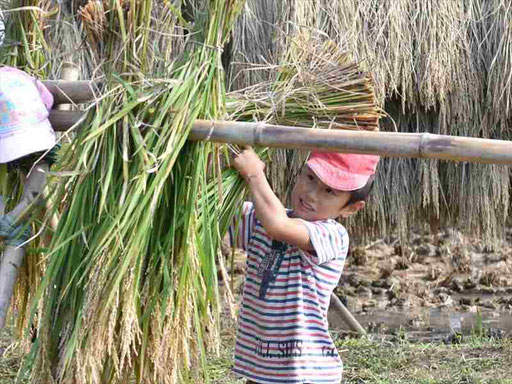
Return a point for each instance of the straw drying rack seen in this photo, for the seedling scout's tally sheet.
(387, 144)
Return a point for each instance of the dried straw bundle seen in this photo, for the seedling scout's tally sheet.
(498, 60)
(318, 84)
(94, 17)
(440, 67)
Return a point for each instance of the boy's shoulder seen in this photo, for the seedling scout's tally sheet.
(330, 224)
(329, 240)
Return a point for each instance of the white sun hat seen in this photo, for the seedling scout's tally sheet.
(24, 107)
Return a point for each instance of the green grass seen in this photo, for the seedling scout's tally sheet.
(219, 367)
(368, 360)
(10, 357)
(383, 360)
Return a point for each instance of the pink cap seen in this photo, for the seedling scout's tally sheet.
(343, 171)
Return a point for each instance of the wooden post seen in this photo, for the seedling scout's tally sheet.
(69, 72)
(9, 266)
(13, 255)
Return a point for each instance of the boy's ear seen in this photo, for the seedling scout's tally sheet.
(352, 208)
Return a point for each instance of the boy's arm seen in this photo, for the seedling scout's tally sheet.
(269, 209)
(241, 228)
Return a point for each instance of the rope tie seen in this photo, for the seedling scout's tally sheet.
(15, 235)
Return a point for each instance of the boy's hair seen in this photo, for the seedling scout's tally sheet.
(362, 193)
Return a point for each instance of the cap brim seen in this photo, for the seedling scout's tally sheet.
(23, 141)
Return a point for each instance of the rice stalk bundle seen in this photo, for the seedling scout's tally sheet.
(24, 45)
(130, 289)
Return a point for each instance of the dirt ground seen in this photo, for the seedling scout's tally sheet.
(445, 270)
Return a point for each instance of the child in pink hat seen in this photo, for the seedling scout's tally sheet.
(294, 261)
(24, 107)
(25, 133)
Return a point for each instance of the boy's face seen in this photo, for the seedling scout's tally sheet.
(313, 200)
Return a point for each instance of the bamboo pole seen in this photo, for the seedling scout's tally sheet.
(13, 255)
(69, 92)
(388, 144)
(63, 120)
(9, 267)
(341, 310)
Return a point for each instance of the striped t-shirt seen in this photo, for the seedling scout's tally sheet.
(282, 329)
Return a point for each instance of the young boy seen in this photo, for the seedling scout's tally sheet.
(294, 261)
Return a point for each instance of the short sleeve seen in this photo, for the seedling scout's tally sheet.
(241, 229)
(329, 239)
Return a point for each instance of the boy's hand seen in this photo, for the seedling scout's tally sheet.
(269, 210)
(248, 164)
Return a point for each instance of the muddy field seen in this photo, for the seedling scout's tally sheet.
(432, 286)
(446, 269)
(435, 283)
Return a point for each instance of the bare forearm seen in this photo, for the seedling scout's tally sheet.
(269, 209)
